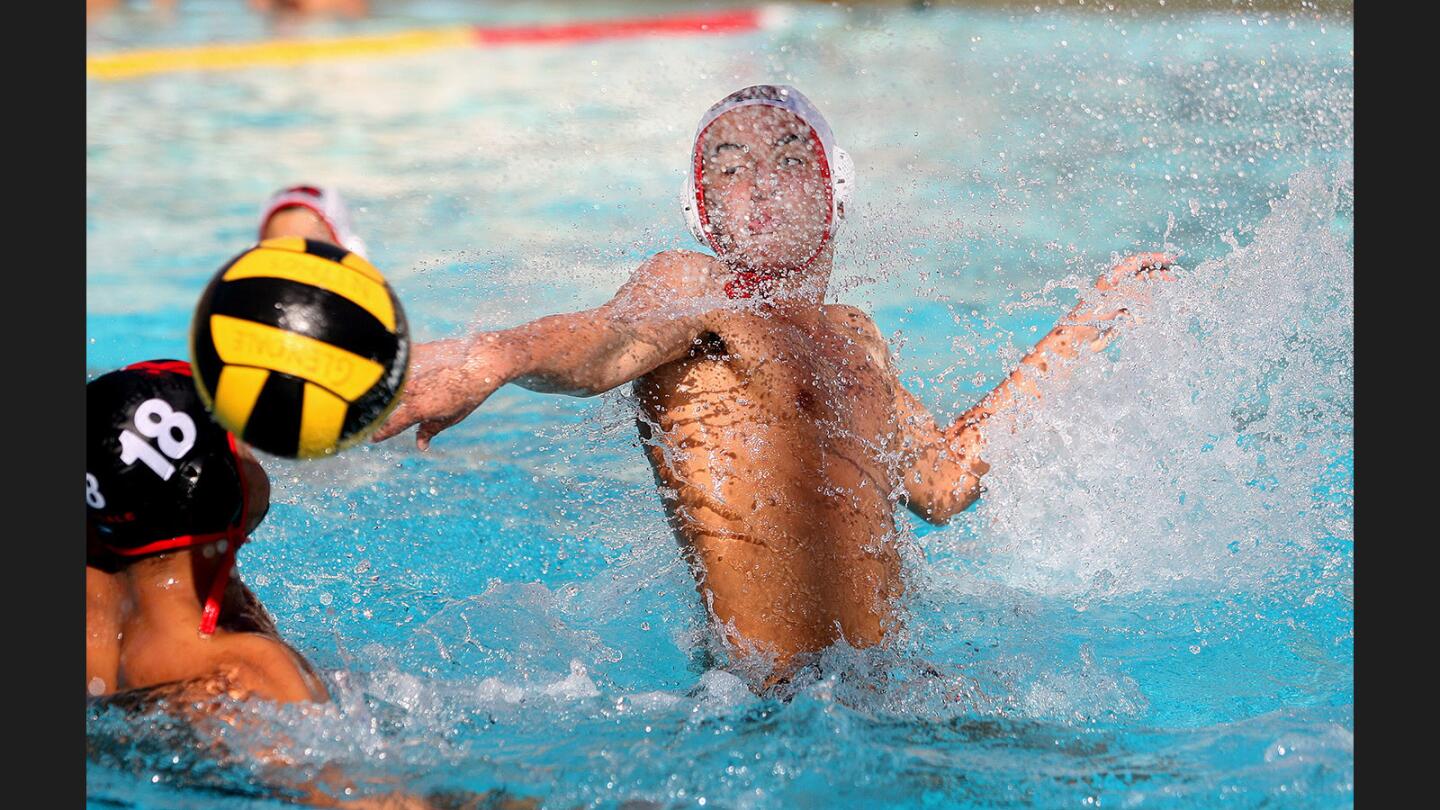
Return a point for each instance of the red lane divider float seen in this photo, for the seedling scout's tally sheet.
(728, 22)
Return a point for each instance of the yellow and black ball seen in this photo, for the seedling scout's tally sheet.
(299, 347)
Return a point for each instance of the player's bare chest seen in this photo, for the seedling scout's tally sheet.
(774, 369)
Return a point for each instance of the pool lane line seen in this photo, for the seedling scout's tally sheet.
(724, 22)
(113, 66)
(236, 56)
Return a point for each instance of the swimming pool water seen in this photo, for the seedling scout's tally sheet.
(1151, 606)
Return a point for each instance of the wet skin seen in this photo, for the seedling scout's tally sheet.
(779, 434)
(142, 619)
(296, 220)
(765, 191)
(772, 443)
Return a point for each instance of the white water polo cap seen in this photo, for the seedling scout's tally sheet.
(837, 168)
(326, 204)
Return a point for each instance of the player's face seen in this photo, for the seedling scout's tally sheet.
(296, 220)
(766, 194)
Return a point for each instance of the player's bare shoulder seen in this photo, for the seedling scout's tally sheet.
(852, 321)
(267, 667)
(675, 276)
(677, 292)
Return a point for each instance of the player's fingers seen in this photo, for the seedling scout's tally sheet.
(428, 430)
(396, 424)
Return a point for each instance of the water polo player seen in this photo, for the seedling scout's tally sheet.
(778, 431)
(310, 212)
(171, 497)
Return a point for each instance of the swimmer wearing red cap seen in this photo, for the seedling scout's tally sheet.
(779, 433)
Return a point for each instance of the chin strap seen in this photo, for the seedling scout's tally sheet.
(234, 537)
(211, 615)
(747, 283)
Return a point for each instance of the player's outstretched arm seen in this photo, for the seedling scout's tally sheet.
(652, 320)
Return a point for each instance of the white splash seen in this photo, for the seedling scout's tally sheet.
(1210, 444)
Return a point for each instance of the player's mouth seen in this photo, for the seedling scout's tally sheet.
(760, 222)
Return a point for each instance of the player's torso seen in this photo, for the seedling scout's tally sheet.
(770, 444)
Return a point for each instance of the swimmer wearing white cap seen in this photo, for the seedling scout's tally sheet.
(780, 435)
(310, 212)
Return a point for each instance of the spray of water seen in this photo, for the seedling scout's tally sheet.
(1209, 446)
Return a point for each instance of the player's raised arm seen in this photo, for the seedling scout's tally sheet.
(943, 466)
(651, 320)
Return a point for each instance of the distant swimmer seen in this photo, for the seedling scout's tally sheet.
(779, 433)
(310, 212)
(307, 8)
(353, 9)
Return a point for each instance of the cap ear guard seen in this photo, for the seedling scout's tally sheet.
(842, 181)
(689, 205)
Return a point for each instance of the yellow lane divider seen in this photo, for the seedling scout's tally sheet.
(284, 52)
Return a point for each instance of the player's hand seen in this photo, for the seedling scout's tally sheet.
(1118, 291)
(448, 380)
(1123, 286)
(1141, 267)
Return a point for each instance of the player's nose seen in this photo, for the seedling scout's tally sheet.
(764, 185)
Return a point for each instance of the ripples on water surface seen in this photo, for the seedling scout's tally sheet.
(1151, 606)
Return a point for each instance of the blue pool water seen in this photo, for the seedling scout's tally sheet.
(1151, 606)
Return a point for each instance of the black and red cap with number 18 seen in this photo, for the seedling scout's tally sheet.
(160, 474)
